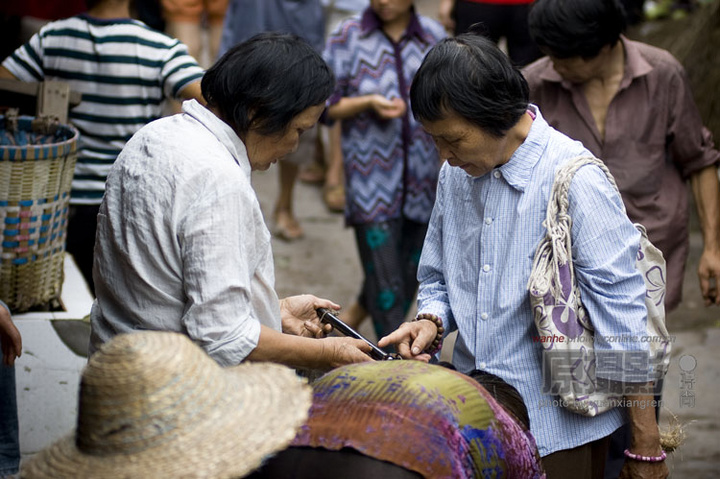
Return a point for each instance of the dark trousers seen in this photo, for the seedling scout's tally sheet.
(582, 462)
(620, 440)
(389, 253)
(82, 225)
(497, 21)
(9, 431)
(312, 463)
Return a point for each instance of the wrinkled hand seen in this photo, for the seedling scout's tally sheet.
(388, 109)
(709, 275)
(643, 470)
(339, 351)
(10, 339)
(411, 339)
(299, 315)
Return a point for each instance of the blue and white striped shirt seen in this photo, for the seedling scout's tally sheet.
(477, 259)
(123, 68)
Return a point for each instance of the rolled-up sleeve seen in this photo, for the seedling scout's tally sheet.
(605, 247)
(219, 257)
(691, 144)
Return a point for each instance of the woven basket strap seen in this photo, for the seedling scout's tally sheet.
(557, 222)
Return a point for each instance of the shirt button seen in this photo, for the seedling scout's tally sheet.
(486, 268)
(488, 221)
(496, 174)
(484, 316)
(482, 365)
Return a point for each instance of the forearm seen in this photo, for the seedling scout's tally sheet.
(645, 441)
(445, 9)
(293, 351)
(192, 91)
(10, 340)
(349, 107)
(645, 434)
(5, 73)
(707, 199)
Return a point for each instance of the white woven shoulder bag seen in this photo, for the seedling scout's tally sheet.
(565, 330)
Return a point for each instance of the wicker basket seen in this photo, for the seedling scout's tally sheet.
(37, 161)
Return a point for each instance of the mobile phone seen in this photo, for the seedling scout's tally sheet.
(328, 317)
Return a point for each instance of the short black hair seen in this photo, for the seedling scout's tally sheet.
(576, 28)
(264, 82)
(505, 394)
(470, 76)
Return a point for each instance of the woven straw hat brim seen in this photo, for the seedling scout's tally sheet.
(273, 404)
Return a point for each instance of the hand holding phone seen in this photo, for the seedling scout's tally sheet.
(328, 317)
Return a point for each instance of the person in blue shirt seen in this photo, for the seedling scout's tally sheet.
(487, 221)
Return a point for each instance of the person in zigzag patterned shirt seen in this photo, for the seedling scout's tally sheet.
(391, 165)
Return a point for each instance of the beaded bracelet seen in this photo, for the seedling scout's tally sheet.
(638, 457)
(436, 345)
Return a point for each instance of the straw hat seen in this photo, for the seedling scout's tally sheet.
(154, 405)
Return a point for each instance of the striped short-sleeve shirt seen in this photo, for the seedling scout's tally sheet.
(124, 70)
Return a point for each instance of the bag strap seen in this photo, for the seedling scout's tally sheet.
(558, 203)
(557, 221)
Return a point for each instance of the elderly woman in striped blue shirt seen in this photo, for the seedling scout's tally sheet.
(486, 224)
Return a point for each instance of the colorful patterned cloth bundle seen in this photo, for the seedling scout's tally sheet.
(425, 418)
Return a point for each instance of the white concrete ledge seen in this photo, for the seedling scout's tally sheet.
(48, 372)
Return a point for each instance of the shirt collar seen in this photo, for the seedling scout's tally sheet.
(370, 22)
(548, 73)
(635, 66)
(222, 131)
(518, 170)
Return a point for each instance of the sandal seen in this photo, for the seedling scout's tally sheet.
(287, 227)
(312, 173)
(334, 198)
